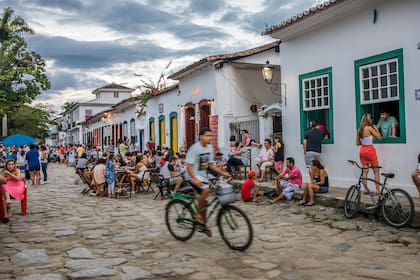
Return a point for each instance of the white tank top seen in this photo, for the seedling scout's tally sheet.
(366, 140)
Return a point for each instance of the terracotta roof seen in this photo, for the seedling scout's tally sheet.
(301, 16)
(112, 86)
(224, 58)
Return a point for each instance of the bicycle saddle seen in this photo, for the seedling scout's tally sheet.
(186, 190)
(388, 175)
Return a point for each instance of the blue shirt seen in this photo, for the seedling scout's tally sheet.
(200, 157)
(33, 159)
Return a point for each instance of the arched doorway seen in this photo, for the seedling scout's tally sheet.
(204, 113)
(189, 124)
(173, 117)
(162, 138)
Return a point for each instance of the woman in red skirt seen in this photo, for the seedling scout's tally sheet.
(367, 131)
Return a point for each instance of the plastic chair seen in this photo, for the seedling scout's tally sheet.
(23, 205)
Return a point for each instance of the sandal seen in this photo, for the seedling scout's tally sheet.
(302, 202)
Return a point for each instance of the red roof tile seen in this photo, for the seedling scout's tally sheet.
(224, 57)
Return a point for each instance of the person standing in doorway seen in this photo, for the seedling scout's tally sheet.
(312, 143)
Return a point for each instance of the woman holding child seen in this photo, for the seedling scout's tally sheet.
(319, 183)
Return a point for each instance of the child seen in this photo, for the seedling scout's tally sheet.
(111, 177)
(250, 190)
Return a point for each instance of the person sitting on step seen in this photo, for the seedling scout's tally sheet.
(319, 183)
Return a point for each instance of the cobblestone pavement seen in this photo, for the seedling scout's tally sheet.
(67, 235)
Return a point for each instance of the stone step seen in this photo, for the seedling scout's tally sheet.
(335, 198)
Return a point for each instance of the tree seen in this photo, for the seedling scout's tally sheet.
(67, 105)
(12, 26)
(33, 121)
(22, 72)
(150, 89)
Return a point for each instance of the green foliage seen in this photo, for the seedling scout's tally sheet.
(12, 26)
(150, 89)
(33, 121)
(22, 72)
(67, 105)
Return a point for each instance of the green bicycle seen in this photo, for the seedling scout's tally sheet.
(234, 225)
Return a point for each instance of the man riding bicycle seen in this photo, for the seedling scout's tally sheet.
(199, 160)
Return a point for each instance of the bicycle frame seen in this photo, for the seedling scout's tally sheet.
(192, 203)
(383, 186)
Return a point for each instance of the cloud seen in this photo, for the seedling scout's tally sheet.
(87, 55)
(205, 7)
(90, 43)
(64, 5)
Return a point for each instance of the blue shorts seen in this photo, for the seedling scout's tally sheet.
(34, 168)
(323, 189)
(253, 190)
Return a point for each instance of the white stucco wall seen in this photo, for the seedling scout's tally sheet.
(338, 45)
(170, 101)
(107, 96)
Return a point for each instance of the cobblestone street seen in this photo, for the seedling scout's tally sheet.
(67, 235)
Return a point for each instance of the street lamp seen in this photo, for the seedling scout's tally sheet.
(276, 88)
(267, 72)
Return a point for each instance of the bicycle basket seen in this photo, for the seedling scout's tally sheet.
(225, 193)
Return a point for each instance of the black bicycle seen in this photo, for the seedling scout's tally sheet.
(234, 225)
(396, 205)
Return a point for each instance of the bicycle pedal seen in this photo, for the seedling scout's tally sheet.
(371, 207)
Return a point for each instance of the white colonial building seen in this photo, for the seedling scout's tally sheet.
(342, 59)
(79, 113)
(224, 92)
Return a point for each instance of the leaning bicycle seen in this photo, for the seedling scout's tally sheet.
(234, 225)
(396, 205)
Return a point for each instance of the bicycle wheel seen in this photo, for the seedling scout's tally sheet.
(235, 227)
(180, 220)
(397, 208)
(352, 202)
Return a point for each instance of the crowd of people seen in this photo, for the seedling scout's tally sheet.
(27, 162)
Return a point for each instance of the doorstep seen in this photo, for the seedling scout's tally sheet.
(335, 198)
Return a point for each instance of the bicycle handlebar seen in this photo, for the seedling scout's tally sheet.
(360, 167)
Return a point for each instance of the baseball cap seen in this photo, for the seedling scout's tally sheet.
(251, 173)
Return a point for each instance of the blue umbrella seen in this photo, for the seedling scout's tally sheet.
(18, 140)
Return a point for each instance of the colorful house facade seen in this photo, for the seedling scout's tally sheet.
(345, 58)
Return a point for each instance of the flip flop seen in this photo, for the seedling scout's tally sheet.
(310, 204)
(303, 202)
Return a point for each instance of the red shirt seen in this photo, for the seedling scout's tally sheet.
(246, 189)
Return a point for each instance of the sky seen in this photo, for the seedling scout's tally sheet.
(90, 43)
